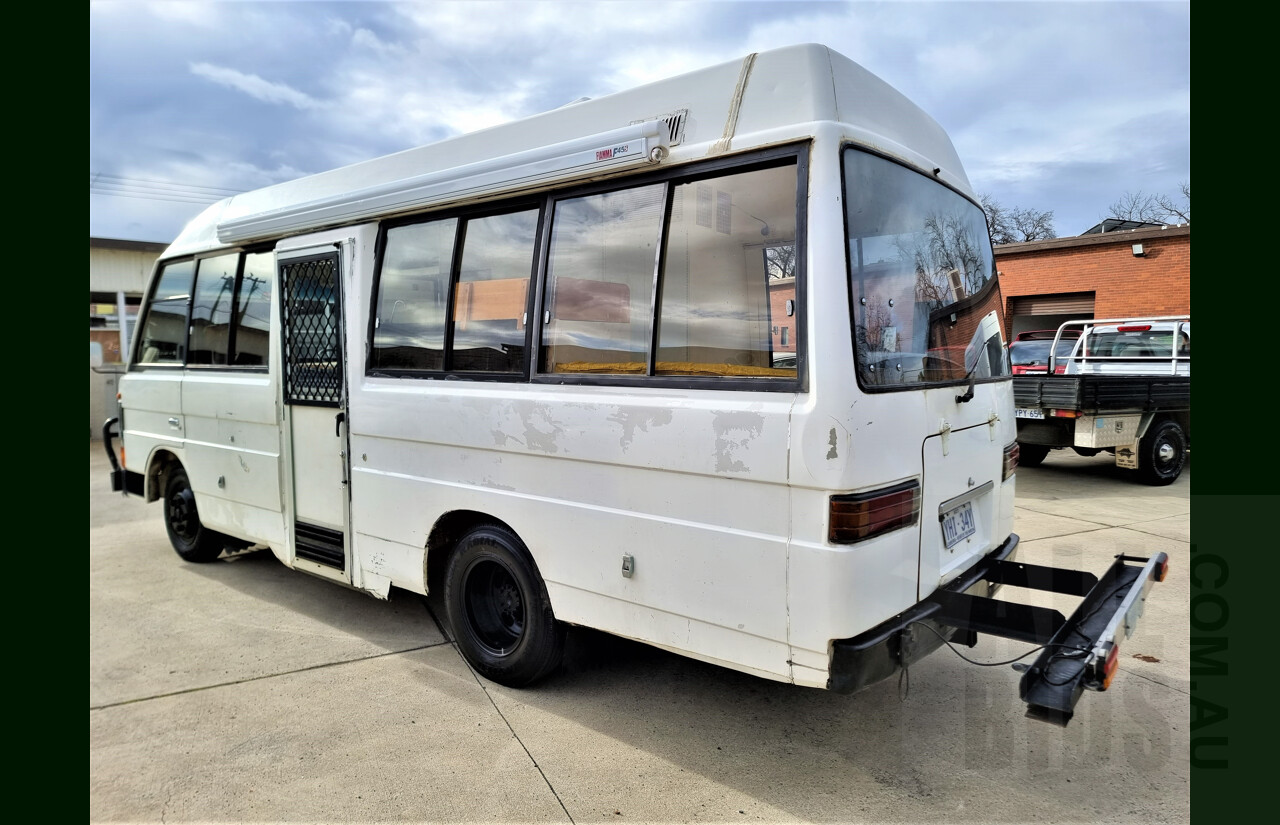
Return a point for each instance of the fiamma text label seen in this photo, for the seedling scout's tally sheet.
(607, 154)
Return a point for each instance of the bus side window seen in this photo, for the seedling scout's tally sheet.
(600, 282)
(252, 323)
(413, 289)
(492, 291)
(211, 309)
(164, 329)
(729, 276)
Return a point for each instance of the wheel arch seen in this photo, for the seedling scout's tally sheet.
(160, 463)
(448, 531)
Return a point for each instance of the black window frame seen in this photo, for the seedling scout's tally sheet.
(233, 332)
(463, 216)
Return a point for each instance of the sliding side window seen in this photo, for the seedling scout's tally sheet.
(251, 327)
(728, 285)
(706, 267)
(453, 294)
(164, 329)
(604, 253)
(211, 309)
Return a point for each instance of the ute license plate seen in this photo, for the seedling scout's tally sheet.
(1023, 413)
(958, 525)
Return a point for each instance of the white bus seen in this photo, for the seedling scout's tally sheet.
(714, 364)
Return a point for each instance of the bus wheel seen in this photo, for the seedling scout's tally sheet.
(1161, 454)
(499, 610)
(191, 539)
(1030, 455)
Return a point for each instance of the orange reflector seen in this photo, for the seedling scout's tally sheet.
(1162, 570)
(860, 516)
(1110, 666)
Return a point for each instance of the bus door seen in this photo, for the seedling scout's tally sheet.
(315, 400)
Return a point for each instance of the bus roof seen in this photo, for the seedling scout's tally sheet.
(763, 99)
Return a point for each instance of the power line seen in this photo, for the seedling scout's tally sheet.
(118, 186)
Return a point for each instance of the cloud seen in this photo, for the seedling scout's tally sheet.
(255, 86)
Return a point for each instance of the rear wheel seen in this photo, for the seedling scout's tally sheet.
(191, 539)
(499, 610)
(1162, 453)
(1030, 455)
(1087, 452)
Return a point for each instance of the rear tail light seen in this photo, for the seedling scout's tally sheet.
(859, 516)
(1011, 455)
(1065, 413)
(1110, 664)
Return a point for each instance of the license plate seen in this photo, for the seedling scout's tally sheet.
(958, 525)
(1021, 413)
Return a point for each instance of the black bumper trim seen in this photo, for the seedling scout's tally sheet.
(877, 654)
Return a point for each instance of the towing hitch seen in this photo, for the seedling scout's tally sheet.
(1080, 652)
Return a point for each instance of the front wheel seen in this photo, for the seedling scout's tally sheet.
(499, 610)
(191, 539)
(1161, 453)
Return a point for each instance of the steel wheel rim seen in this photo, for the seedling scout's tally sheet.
(494, 606)
(182, 514)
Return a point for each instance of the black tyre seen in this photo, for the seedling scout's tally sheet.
(1030, 455)
(1087, 452)
(1162, 453)
(499, 609)
(192, 540)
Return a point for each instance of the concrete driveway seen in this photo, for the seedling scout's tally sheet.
(241, 691)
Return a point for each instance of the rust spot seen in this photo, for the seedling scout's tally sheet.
(1144, 657)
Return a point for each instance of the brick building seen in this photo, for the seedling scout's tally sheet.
(1101, 274)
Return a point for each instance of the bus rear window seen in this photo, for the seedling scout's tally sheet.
(926, 302)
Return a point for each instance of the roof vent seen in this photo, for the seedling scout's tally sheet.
(675, 124)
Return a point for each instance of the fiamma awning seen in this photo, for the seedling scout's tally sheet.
(638, 144)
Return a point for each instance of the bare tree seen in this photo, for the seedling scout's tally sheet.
(1137, 206)
(1015, 225)
(1140, 206)
(1180, 208)
(997, 219)
(1032, 225)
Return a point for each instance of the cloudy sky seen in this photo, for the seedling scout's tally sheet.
(1061, 107)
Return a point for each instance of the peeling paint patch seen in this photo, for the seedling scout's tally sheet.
(733, 431)
(540, 431)
(631, 420)
(832, 441)
(501, 438)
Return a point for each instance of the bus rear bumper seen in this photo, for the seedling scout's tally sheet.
(882, 651)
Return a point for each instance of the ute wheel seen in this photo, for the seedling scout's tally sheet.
(499, 609)
(191, 539)
(1030, 455)
(1087, 452)
(1162, 453)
